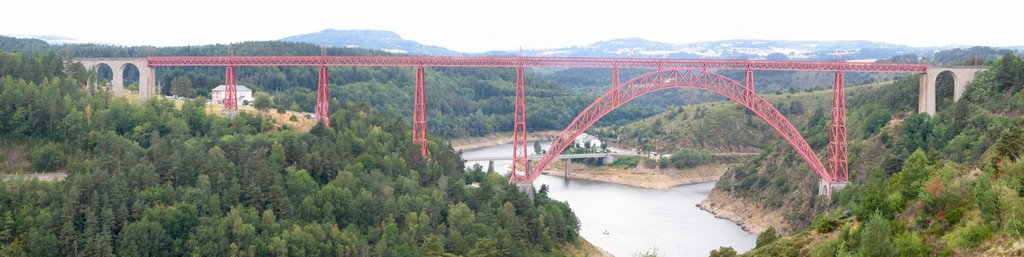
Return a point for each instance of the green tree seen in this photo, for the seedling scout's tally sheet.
(262, 102)
(433, 247)
(460, 228)
(1011, 143)
(41, 243)
(485, 247)
(1010, 73)
(689, 158)
(48, 157)
(144, 238)
(909, 244)
(723, 251)
(909, 180)
(766, 237)
(874, 197)
(536, 148)
(182, 86)
(6, 227)
(874, 239)
(987, 200)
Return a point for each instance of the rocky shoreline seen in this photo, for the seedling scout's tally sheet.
(643, 178)
(750, 216)
(471, 143)
(582, 247)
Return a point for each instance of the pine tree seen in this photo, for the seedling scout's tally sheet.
(6, 227)
(485, 247)
(875, 238)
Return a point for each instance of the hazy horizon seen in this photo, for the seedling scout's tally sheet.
(475, 26)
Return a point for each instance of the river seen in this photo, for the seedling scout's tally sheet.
(637, 220)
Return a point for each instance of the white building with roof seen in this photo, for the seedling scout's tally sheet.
(242, 93)
(583, 138)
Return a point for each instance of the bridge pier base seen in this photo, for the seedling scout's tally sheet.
(609, 159)
(229, 113)
(526, 187)
(826, 188)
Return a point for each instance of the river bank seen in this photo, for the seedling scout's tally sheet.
(582, 247)
(749, 215)
(641, 177)
(473, 143)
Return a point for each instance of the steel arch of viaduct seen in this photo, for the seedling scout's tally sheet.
(688, 78)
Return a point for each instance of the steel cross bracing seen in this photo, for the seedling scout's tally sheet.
(533, 62)
(323, 108)
(520, 163)
(419, 113)
(230, 97)
(689, 78)
(837, 152)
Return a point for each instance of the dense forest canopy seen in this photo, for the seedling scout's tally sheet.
(150, 179)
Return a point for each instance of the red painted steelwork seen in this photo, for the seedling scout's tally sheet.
(230, 97)
(323, 95)
(520, 163)
(542, 62)
(837, 154)
(419, 114)
(615, 84)
(688, 78)
(670, 73)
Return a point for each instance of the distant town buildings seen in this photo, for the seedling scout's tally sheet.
(242, 93)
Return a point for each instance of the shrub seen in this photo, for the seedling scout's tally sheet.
(767, 237)
(824, 224)
(688, 158)
(968, 236)
(910, 244)
(626, 162)
(827, 248)
(48, 157)
(723, 251)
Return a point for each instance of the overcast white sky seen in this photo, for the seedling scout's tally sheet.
(480, 25)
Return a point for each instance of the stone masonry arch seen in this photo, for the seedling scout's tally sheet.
(147, 74)
(962, 75)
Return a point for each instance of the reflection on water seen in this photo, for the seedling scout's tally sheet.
(638, 219)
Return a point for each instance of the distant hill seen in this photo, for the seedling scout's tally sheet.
(50, 39)
(369, 39)
(638, 47)
(737, 48)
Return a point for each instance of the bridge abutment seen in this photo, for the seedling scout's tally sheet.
(962, 75)
(147, 74)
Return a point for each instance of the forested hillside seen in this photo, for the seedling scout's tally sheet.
(153, 180)
(461, 102)
(950, 184)
(726, 126)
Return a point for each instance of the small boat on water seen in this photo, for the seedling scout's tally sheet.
(605, 232)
